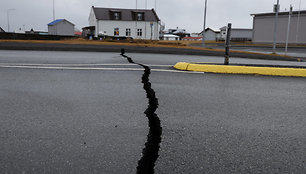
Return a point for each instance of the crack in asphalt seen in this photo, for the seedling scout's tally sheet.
(150, 151)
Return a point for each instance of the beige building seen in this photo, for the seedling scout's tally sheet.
(263, 27)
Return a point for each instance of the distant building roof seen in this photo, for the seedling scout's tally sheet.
(55, 22)
(207, 29)
(280, 13)
(58, 21)
(178, 31)
(1, 30)
(126, 14)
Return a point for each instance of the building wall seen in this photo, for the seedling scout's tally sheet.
(238, 34)
(93, 21)
(62, 28)
(264, 29)
(171, 38)
(210, 35)
(242, 33)
(92, 18)
(107, 28)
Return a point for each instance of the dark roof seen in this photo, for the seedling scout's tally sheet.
(126, 14)
(58, 21)
(1, 30)
(280, 13)
(209, 29)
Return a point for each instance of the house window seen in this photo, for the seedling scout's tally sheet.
(128, 32)
(116, 16)
(116, 32)
(139, 32)
(139, 16)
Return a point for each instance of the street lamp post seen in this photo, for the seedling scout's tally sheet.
(298, 23)
(203, 35)
(155, 5)
(8, 19)
(288, 29)
(276, 9)
(53, 10)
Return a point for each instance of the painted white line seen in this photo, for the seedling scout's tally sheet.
(84, 64)
(71, 68)
(177, 71)
(93, 68)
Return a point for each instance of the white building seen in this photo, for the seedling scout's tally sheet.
(211, 34)
(171, 37)
(61, 27)
(237, 34)
(20, 31)
(263, 25)
(138, 24)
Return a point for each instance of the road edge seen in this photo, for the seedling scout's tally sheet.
(138, 49)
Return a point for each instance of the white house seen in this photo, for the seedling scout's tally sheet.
(61, 27)
(171, 37)
(114, 22)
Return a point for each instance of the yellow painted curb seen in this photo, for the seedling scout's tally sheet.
(231, 69)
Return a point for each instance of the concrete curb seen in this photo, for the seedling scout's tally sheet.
(242, 69)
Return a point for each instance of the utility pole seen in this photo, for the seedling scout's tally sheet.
(8, 18)
(155, 6)
(136, 32)
(204, 26)
(298, 23)
(276, 10)
(146, 2)
(53, 10)
(288, 29)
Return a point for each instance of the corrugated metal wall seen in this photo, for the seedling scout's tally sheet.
(264, 27)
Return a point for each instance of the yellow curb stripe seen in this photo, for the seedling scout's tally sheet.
(230, 69)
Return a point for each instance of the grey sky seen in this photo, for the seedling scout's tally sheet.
(174, 13)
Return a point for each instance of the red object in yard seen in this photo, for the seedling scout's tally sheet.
(78, 33)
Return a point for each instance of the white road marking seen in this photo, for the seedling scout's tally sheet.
(84, 64)
(93, 68)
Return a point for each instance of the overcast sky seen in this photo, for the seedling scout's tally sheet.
(187, 14)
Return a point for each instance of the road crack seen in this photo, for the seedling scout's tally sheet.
(150, 151)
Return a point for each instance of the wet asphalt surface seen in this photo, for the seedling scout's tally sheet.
(93, 121)
(299, 52)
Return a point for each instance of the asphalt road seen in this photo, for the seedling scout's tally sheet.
(291, 51)
(138, 49)
(71, 112)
